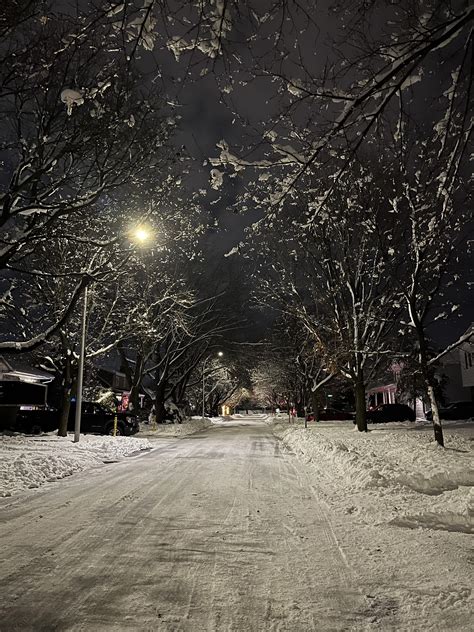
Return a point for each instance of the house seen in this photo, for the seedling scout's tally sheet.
(14, 370)
(388, 392)
(466, 357)
(382, 394)
(117, 382)
(457, 371)
(21, 385)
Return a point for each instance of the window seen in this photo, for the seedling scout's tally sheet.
(468, 359)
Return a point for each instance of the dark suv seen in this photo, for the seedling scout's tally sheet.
(94, 418)
(97, 418)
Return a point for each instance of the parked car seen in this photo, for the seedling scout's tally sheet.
(95, 418)
(390, 412)
(330, 414)
(35, 421)
(456, 410)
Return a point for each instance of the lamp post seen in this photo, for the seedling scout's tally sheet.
(80, 371)
(141, 235)
(219, 354)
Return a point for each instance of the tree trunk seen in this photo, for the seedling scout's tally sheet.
(299, 400)
(315, 402)
(359, 392)
(134, 378)
(160, 410)
(135, 384)
(437, 427)
(429, 381)
(66, 388)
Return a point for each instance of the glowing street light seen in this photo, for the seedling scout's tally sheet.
(140, 235)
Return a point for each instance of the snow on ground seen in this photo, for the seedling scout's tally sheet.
(28, 461)
(390, 474)
(398, 508)
(189, 426)
(403, 513)
(31, 461)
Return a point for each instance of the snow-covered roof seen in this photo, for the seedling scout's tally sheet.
(13, 369)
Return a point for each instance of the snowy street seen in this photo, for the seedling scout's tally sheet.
(236, 324)
(223, 530)
(212, 532)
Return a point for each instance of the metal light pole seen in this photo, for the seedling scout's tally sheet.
(140, 234)
(220, 354)
(80, 372)
(204, 387)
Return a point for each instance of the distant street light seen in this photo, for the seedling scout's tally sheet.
(139, 235)
(219, 354)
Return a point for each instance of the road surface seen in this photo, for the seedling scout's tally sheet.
(219, 531)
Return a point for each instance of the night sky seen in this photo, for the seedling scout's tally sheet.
(310, 42)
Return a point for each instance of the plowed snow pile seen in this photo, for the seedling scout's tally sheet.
(390, 475)
(28, 462)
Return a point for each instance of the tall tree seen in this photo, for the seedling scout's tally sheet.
(81, 125)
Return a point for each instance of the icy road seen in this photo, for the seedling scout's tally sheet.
(218, 531)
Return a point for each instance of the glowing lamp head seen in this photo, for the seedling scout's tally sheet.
(141, 235)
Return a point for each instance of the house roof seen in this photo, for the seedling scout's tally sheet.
(23, 371)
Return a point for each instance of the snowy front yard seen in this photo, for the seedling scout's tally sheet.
(391, 474)
(403, 514)
(27, 462)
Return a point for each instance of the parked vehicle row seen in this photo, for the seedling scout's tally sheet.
(382, 414)
(390, 412)
(95, 418)
(398, 412)
(331, 414)
(456, 410)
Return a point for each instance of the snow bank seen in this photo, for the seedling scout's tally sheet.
(189, 426)
(390, 475)
(27, 462)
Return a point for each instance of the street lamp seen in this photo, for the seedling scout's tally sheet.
(140, 235)
(80, 370)
(219, 355)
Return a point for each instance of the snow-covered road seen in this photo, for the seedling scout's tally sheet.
(233, 530)
(217, 531)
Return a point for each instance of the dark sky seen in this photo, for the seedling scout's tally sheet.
(207, 118)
